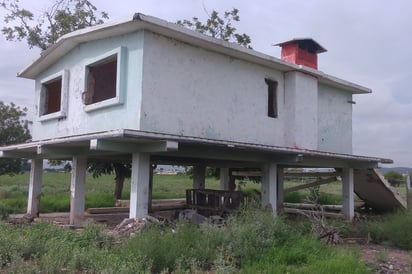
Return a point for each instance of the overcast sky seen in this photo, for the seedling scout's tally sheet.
(369, 42)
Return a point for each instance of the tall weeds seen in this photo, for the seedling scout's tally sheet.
(251, 241)
(393, 229)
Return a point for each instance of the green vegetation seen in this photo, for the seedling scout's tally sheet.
(55, 195)
(392, 229)
(250, 242)
(13, 130)
(394, 178)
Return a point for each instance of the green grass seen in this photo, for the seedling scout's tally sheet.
(391, 229)
(252, 241)
(55, 195)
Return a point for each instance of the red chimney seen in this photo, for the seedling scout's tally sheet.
(302, 51)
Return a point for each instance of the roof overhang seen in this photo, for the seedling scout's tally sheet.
(120, 144)
(143, 22)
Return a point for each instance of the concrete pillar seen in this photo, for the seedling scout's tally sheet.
(232, 181)
(36, 174)
(348, 207)
(199, 176)
(150, 187)
(139, 193)
(224, 178)
(280, 189)
(269, 187)
(408, 192)
(78, 190)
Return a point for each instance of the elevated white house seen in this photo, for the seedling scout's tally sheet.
(155, 92)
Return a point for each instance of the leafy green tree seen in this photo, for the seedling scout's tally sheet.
(65, 16)
(219, 27)
(13, 130)
(122, 170)
(44, 29)
(41, 31)
(394, 178)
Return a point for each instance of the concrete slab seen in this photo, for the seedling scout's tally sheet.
(371, 186)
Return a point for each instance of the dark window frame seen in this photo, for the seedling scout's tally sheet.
(272, 87)
(52, 92)
(98, 99)
(53, 96)
(101, 83)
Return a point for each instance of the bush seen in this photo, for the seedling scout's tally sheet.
(252, 241)
(295, 197)
(394, 178)
(166, 249)
(393, 229)
(305, 254)
(5, 211)
(251, 233)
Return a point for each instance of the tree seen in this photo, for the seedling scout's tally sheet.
(13, 130)
(65, 16)
(394, 178)
(218, 27)
(121, 169)
(41, 31)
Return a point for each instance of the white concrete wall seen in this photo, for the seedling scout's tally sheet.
(115, 117)
(175, 88)
(193, 92)
(334, 120)
(301, 104)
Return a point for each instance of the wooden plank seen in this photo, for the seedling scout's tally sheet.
(313, 206)
(157, 205)
(115, 218)
(358, 204)
(247, 173)
(312, 212)
(316, 183)
(290, 174)
(313, 174)
(107, 210)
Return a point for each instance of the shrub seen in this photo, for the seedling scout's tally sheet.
(393, 229)
(162, 249)
(5, 210)
(304, 254)
(55, 203)
(252, 232)
(294, 197)
(252, 241)
(394, 178)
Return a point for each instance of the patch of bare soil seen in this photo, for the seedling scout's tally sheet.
(386, 260)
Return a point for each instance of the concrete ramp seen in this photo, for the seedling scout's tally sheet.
(375, 190)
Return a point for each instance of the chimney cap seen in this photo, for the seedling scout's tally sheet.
(304, 43)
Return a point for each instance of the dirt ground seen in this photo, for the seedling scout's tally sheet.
(386, 259)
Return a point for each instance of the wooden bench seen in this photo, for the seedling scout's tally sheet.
(214, 201)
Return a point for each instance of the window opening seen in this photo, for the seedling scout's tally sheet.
(52, 96)
(272, 98)
(101, 81)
